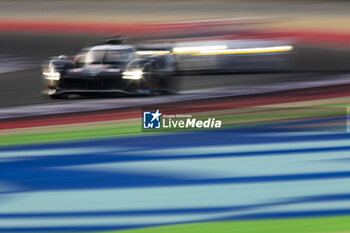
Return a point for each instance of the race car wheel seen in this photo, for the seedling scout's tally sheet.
(147, 87)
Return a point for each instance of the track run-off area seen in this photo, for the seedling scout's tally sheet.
(99, 171)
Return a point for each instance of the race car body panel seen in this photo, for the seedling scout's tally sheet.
(108, 69)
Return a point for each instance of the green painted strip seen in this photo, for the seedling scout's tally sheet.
(132, 129)
(75, 134)
(343, 105)
(304, 225)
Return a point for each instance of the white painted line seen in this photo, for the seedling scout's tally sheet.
(58, 152)
(10, 63)
(223, 149)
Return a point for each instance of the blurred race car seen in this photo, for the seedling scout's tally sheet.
(110, 68)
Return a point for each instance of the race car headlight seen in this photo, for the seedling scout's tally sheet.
(135, 75)
(52, 75)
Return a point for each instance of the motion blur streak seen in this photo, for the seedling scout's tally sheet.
(247, 50)
(152, 52)
(199, 49)
(130, 189)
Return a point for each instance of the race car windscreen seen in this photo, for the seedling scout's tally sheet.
(103, 57)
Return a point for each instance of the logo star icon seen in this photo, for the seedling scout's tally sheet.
(156, 115)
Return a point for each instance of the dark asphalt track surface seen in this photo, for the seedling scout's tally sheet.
(24, 87)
